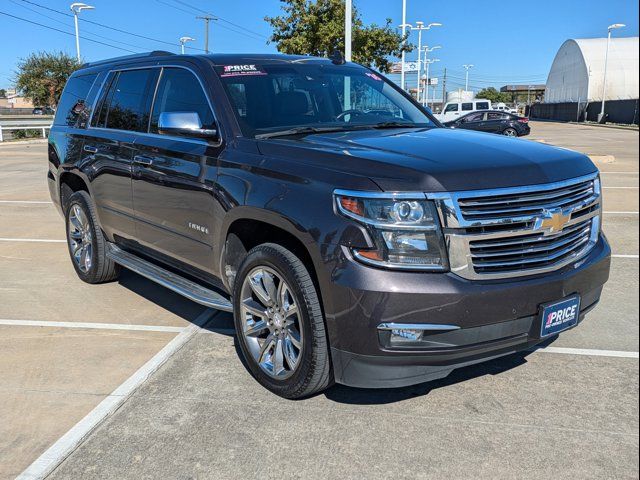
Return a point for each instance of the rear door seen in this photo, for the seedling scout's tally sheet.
(173, 176)
(473, 121)
(107, 152)
(495, 122)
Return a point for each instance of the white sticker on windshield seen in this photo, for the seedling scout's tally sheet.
(241, 70)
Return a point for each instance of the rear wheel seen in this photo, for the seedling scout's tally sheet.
(87, 245)
(510, 132)
(280, 324)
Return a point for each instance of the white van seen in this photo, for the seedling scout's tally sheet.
(454, 110)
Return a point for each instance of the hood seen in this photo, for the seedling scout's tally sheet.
(434, 160)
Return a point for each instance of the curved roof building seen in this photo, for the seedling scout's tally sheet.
(577, 71)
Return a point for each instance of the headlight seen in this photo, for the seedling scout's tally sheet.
(404, 228)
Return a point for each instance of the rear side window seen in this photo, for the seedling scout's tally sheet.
(467, 107)
(127, 102)
(482, 105)
(180, 91)
(497, 116)
(73, 98)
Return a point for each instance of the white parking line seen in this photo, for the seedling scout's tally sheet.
(36, 240)
(619, 188)
(620, 213)
(585, 351)
(55, 454)
(96, 326)
(28, 202)
(624, 256)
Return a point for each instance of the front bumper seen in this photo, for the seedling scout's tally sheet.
(496, 318)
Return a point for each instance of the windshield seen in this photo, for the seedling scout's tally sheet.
(274, 100)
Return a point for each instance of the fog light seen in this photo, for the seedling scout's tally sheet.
(405, 335)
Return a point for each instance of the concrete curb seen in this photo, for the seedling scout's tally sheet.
(35, 141)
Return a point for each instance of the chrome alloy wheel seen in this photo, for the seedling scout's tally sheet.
(80, 238)
(511, 132)
(271, 324)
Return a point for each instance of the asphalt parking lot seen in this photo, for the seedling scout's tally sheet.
(161, 378)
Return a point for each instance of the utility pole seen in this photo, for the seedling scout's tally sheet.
(76, 8)
(207, 19)
(348, 44)
(404, 42)
(601, 117)
(444, 87)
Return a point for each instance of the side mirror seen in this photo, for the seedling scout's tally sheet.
(184, 124)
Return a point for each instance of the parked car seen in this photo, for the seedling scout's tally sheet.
(503, 107)
(493, 122)
(454, 110)
(355, 240)
(43, 111)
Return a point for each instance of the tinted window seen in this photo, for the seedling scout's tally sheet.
(274, 98)
(127, 102)
(452, 107)
(474, 117)
(497, 116)
(73, 97)
(467, 107)
(482, 105)
(180, 91)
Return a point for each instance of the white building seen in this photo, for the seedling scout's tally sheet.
(577, 71)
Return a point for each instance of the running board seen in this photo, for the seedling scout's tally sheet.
(170, 280)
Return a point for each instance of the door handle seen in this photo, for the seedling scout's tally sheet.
(142, 160)
(90, 149)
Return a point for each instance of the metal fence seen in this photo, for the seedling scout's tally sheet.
(27, 124)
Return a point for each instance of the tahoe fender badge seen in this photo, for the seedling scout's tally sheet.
(198, 228)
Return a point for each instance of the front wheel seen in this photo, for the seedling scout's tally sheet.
(279, 323)
(510, 132)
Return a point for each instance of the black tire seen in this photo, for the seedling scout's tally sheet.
(510, 132)
(102, 268)
(313, 373)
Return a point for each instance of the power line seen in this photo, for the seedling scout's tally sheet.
(107, 26)
(63, 23)
(66, 33)
(238, 28)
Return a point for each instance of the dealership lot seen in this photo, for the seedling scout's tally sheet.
(70, 350)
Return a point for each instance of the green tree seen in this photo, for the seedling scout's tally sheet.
(316, 27)
(3, 93)
(42, 76)
(494, 95)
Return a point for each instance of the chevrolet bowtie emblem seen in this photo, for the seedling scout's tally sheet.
(553, 221)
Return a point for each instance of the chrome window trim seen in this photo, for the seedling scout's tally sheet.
(155, 92)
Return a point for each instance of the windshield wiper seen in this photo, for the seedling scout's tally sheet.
(300, 131)
(399, 125)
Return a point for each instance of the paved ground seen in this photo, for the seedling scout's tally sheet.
(200, 415)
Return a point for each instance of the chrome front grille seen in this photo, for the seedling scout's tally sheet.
(514, 232)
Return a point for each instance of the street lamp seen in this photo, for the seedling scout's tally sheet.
(76, 8)
(184, 40)
(426, 90)
(420, 27)
(601, 117)
(466, 82)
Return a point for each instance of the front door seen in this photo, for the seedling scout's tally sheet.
(173, 177)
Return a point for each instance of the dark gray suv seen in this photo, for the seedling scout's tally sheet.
(354, 239)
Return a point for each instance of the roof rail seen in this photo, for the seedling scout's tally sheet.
(155, 53)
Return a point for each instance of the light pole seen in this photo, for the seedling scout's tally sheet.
(420, 27)
(466, 81)
(207, 19)
(601, 117)
(348, 19)
(76, 8)
(404, 42)
(184, 40)
(428, 61)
